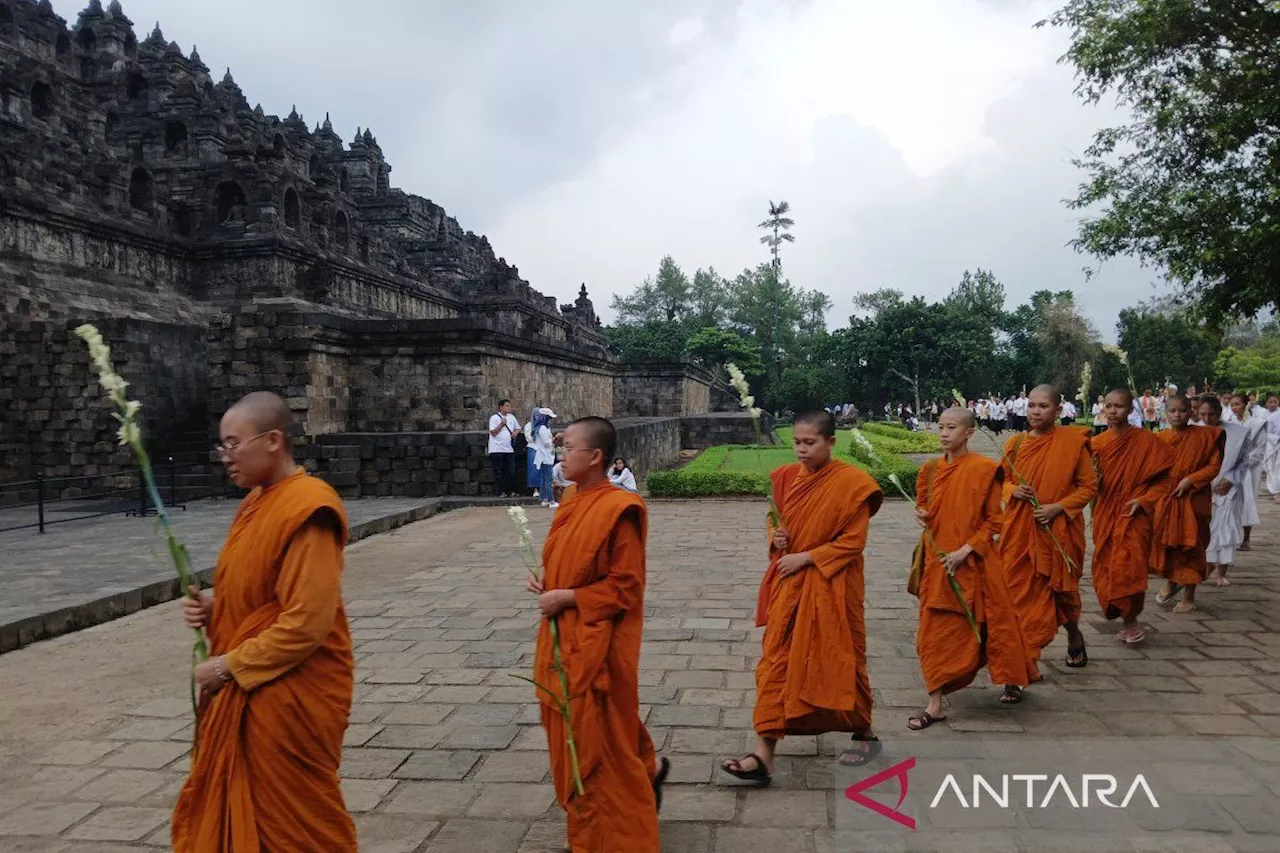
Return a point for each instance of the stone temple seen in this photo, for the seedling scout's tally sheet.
(221, 249)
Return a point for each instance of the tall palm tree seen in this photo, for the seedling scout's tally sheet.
(778, 224)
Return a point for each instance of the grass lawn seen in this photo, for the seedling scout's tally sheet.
(758, 460)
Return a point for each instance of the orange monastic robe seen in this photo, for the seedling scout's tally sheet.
(1046, 587)
(596, 547)
(812, 675)
(1182, 524)
(265, 775)
(964, 504)
(1132, 465)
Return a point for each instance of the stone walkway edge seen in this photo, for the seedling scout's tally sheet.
(64, 620)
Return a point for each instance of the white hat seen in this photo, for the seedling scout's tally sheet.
(549, 413)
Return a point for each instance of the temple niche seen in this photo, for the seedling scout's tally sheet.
(224, 249)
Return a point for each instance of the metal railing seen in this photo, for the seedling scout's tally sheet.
(60, 500)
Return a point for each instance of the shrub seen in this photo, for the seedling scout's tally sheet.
(886, 437)
(686, 483)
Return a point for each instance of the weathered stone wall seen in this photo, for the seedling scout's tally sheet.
(661, 388)
(53, 419)
(702, 431)
(648, 443)
(432, 464)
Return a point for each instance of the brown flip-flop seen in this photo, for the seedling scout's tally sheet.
(923, 720)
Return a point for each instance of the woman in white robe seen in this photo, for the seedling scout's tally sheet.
(1256, 428)
(1272, 463)
(1226, 531)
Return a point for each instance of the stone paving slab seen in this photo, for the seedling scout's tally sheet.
(83, 573)
(444, 752)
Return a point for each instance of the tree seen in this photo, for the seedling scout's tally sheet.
(1192, 184)
(716, 347)
(778, 224)
(980, 293)
(709, 297)
(652, 340)
(766, 309)
(1166, 346)
(1254, 368)
(664, 297)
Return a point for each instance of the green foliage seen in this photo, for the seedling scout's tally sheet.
(1192, 183)
(1165, 344)
(666, 297)
(1252, 368)
(897, 439)
(715, 347)
(739, 470)
(654, 339)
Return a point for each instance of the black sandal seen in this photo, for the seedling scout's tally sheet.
(759, 774)
(659, 780)
(1078, 658)
(923, 721)
(856, 757)
(1012, 695)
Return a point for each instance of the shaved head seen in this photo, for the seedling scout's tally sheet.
(598, 434)
(962, 416)
(1054, 395)
(1123, 392)
(821, 421)
(266, 411)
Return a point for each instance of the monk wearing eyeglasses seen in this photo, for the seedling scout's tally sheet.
(276, 693)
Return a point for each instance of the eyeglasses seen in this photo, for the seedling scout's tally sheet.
(228, 449)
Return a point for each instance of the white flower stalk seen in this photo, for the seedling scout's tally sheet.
(1124, 359)
(959, 398)
(130, 434)
(1086, 376)
(738, 381)
(520, 519)
(867, 448)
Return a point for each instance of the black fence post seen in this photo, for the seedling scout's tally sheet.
(173, 485)
(40, 501)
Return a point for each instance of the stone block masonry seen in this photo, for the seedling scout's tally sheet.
(436, 464)
(223, 250)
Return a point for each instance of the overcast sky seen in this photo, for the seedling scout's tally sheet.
(913, 139)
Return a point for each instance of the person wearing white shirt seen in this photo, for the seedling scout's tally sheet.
(502, 456)
(558, 480)
(1256, 440)
(1272, 463)
(1135, 416)
(1099, 416)
(545, 456)
(1068, 413)
(620, 475)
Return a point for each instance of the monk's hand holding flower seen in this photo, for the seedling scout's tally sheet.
(922, 516)
(534, 586)
(1184, 487)
(553, 601)
(789, 564)
(780, 540)
(196, 609)
(1025, 493)
(1046, 513)
(956, 558)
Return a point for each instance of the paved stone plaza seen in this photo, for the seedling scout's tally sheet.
(444, 754)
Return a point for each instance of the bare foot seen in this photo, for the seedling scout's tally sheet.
(1184, 607)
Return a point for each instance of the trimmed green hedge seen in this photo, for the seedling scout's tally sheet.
(728, 469)
(901, 440)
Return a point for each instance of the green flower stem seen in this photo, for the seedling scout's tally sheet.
(561, 701)
(942, 558)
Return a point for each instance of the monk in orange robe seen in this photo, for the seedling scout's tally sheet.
(959, 508)
(276, 693)
(1048, 481)
(1133, 469)
(1182, 519)
(812, 674)
(594, 589)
